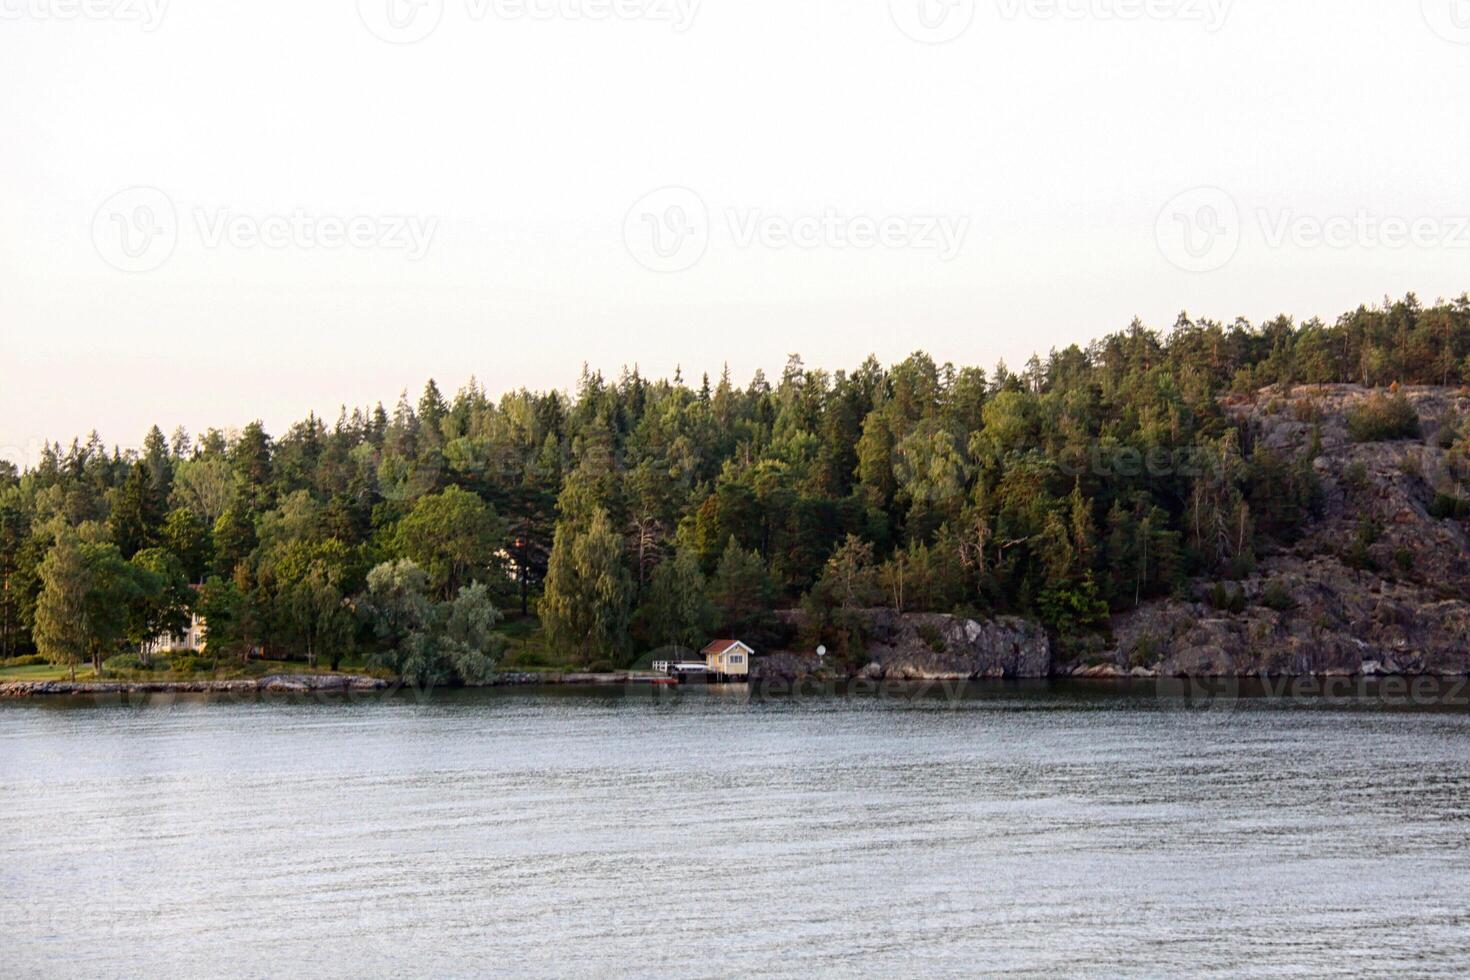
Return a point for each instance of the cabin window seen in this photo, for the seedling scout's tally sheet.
(736, 658)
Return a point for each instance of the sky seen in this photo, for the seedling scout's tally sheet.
(243, 209)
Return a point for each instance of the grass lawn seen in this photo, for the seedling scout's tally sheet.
(525, 647)
(525, 650)
(226, 670)
(45, 672)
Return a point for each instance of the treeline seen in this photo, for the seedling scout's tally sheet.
(637, 513)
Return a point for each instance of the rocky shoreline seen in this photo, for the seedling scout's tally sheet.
(299, 684)
(272, 684)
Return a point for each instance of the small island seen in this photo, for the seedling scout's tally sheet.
(1234, 500)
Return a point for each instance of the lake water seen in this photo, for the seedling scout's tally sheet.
(1012, 829)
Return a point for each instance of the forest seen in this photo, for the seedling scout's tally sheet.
(635, 514)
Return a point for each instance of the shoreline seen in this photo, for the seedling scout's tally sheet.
(359, 683)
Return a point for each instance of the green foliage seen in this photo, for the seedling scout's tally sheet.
(1226, 598)
(585, 608)
(1100, 476)
(676, 610)
(1448, 506)
(1383, 418)
(453, 536)
(1359, 554)
(429, 643)
(932, 638)
(1276, 596)
(1146, 652)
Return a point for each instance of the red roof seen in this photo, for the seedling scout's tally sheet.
(721, 646)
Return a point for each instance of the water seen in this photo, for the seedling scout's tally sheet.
(1021, 830)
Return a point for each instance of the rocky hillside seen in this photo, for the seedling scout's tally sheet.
(1378, 583)
(930, 646)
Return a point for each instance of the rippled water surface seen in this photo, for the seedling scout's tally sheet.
(1020, 830)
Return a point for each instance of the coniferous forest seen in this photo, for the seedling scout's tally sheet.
(634, 514)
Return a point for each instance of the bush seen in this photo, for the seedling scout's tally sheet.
(1146, 652)
(130, 663)
(1226, 599)
(188, 664)
(1382, 419)
(29, 660)
(1359, 555)
(1306, 410)
(1277, 597)
(1404, 560)
(1449, 507)
(929, 633)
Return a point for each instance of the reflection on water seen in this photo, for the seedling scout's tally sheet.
(1022, 828)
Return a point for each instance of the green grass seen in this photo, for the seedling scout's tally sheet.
(526, 648)
(226, 670)
(45, 672)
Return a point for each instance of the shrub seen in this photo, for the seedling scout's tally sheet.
(1146, 652)
(29, 660)
(1359, 555)
(1382, 419)
(189, 664)
(1277, 597)
(129, 663)
(1227, 599)
(1355, 477)
(1449, 507)
(1403, 558)
(1306, 410)
(929, 633)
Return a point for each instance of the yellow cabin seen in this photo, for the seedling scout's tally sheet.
(728, 658)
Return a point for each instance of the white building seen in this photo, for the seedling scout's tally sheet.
(192, 640)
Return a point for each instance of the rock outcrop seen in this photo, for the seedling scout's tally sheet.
(928, 646)
(1401, 604)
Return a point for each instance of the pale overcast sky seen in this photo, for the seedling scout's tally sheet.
(506, 188)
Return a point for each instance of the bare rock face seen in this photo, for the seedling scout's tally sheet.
(1404, 608)
(933, 646)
